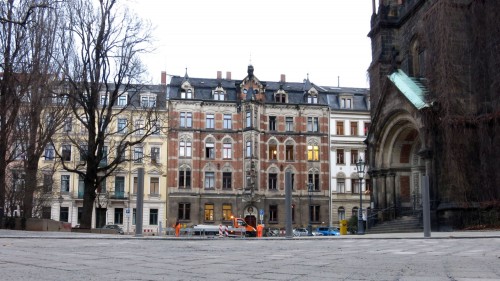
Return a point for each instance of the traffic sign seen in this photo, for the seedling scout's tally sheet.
(261, 212)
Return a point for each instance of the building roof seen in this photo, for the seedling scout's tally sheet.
(296, 91)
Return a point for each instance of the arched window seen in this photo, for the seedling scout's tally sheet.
(312, 151)
(209, 148)
(227, 149)
(341, 212)
(355, 212)
(289, 150)
(185, 148)
(313, 177)
(184, 176)
(273, 150)
(417, 59)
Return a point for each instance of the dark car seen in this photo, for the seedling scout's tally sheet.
(115, 227)
(328, 231)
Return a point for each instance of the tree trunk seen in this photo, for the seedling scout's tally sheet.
(88, 206)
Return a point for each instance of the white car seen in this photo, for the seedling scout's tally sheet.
(300, 232)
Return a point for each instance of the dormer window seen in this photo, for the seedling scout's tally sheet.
(280, 96)
(219, 94)
(186, 94)
(122, 100)
(346, 102)
(313, 99)
(148, 100)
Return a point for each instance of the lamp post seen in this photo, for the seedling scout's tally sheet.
(360, 168)
(309, 191)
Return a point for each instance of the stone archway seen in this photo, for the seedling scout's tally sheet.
(398, 168)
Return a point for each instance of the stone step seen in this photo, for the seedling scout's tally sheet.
(401, 224)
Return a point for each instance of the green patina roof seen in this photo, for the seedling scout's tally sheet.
(411, 88)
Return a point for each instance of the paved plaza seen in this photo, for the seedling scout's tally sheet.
(406, 256)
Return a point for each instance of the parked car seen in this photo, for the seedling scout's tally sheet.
(300, 232)
(328, 231)
(115, 227)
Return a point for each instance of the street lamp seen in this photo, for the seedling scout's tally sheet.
(310, 191)
(360, 168)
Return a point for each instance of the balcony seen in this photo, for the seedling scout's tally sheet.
(117, 195)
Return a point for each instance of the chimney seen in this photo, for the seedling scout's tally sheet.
(219, 75)
(228, 75)
(164, 78)
(283, 78)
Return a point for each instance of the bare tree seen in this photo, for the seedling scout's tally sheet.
(40, 114)
(15, 17)
(102, 66)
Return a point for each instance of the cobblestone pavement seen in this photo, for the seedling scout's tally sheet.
(79, 256)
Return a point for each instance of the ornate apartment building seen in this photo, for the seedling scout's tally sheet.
(231, 142)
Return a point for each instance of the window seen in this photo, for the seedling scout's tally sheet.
(122, 125)
(49, 153)
(64, 214)
(273, 213)
(153, 216)
(139, 127)
(184, 177)
(46, 212)
(341, 211)
(209, 212)
(64, 183)
(118, 215)
(68, 126)
(226, 212)
(273, 151)
(119, 187)
(104, 99)
(340, 185)
(155, 127)
(81, 187)
(340, 128)
(101, 186)
(148, 100)
(272, 123)
(289, 124)
(134, 212)
(354, 212)
(355, 185)
(312, 124)
(209, 149)
(314, 213)
(185, 148)
(354, 157)
(312, 99)
(134, 188)
(155, 155)
(280, 98)
(273, 181)
(154, 186)
(186, 120)
(210, 121)
(120, 152)
(227, 148)
(312, 153)
(187, 94)
(249, 119)
(340, 156)
(184, 212)
(346, 103)
(209, 180)
(47, 183)
(289, 152)
(226, 180)
(219, 95)
(66, 152)
(138, 154)
(104, 159)
(248, 149)
(314, 179)
(122, 100)
(367, 128)
(354, 128)
(228, 122)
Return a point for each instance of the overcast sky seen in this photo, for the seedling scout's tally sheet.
(326, 39)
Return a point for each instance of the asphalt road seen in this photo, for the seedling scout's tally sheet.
(49, 256)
